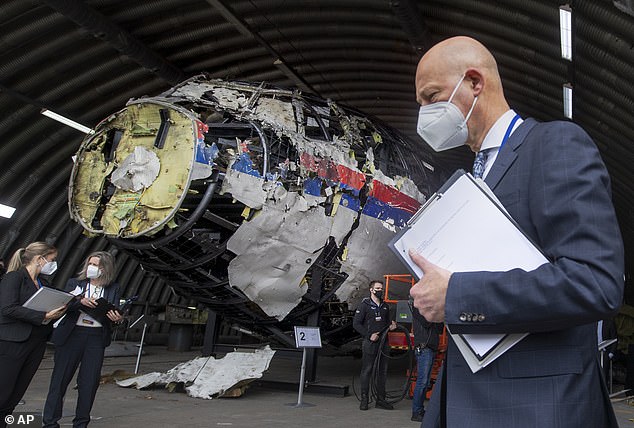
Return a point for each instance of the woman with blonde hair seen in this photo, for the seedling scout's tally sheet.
(23, 331)
(81, 338)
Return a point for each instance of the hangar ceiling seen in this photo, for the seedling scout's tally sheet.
(86, 58)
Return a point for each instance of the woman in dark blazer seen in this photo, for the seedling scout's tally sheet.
(23, 331)
(80, 339)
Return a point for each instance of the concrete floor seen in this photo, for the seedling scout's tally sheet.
(124, 407)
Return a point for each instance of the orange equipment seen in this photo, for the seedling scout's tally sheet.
(397, 340)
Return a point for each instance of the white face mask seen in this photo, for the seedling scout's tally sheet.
(49, 268)
(93, 271)
(442, 125)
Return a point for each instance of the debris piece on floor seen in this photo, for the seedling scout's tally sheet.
(207, 377)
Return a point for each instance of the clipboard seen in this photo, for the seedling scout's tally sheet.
(442, 230)
(99, 311)
(46, 299)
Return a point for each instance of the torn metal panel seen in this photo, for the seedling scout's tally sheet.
(305, 182)
(337, 153)
(276, 248)
(205, 154)
(276, 113)
(366, 260)
(207, 377)
(270, 275)
(215, 94)
(137, 171)
(245, 188)
(327, 169)
(273, 112)
(344, 216)
(388, 202)
(403, 184)
(389, 205)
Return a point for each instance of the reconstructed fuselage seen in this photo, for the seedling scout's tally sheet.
(261, 203)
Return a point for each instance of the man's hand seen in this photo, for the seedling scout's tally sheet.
(374, 337)
(393, 326)
(430, 292)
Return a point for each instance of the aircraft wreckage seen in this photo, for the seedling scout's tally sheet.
(265, 205)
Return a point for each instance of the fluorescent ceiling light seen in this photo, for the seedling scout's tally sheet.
(6, 211)
(565, 30)
(568, 100)
(67, 121)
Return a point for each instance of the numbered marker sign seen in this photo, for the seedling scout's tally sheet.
(307, 337)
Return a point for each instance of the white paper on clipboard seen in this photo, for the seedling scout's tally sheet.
(46, 299)
(462, 216)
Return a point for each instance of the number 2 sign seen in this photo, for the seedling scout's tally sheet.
(307, 337)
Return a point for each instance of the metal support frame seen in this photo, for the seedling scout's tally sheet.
(413, 24)
(319, 272)
(147, 320)
(103, 28)
(313, 321)
(211, 333)
(278, 61)
(138, 357)
(311, 388)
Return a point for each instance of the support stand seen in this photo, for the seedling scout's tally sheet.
(138, 358)
(300, 394)
(211, 333)
(305, 337)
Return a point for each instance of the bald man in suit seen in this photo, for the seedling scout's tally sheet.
(551, 179)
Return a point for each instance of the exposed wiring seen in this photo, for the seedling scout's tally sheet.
(391, 396)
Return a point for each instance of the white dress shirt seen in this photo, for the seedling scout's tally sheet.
(493, 139)
(84, 319)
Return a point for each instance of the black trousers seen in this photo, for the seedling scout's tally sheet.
(370, 352)
(18, 363)
(84, 349)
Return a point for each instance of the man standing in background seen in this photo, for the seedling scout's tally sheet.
(426, 335)
(371, 319)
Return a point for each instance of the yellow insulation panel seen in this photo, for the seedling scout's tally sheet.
(131, 212)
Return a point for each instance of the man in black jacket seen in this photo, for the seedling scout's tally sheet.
(426, 337)
(371, 319)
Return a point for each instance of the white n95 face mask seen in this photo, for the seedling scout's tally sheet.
(442, 125)
(93, 271)
(49, 268)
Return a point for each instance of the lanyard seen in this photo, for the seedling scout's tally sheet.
(89, 292)
(507, 134)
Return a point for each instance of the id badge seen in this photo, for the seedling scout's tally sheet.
(377, 318)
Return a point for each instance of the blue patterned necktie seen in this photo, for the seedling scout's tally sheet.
(479, 163)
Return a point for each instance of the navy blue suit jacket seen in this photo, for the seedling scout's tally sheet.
(551, 179)
(68, 323)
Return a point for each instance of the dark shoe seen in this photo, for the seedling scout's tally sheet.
(417, 417)
(364, 402)
(382, 404)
